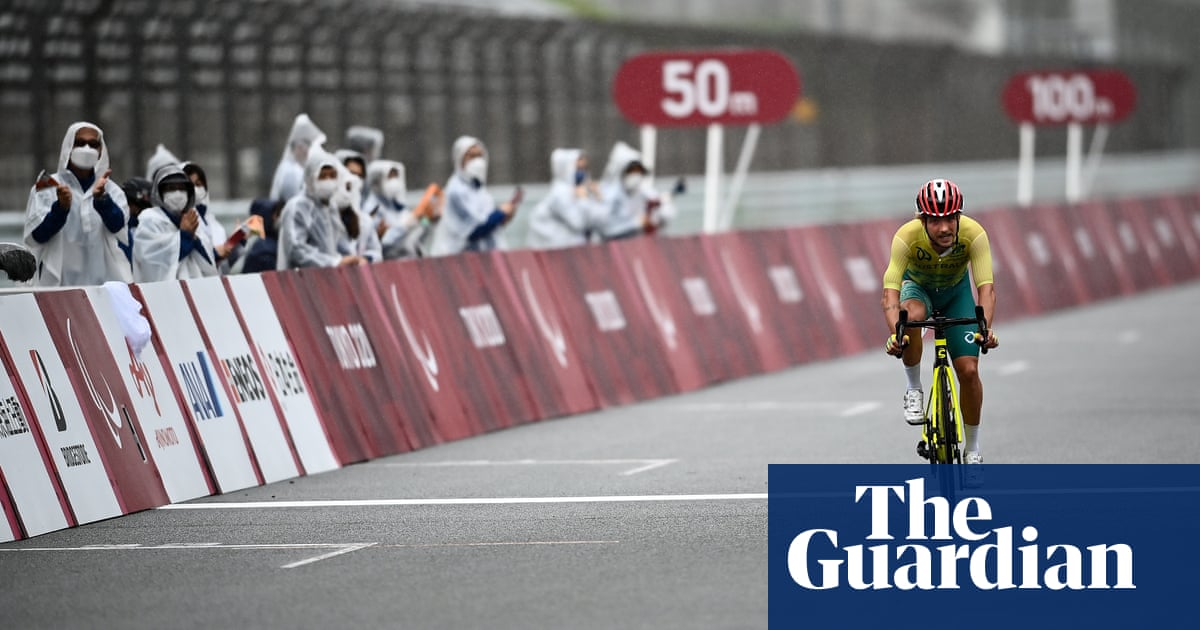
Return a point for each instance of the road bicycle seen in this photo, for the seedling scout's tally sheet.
(942, 430)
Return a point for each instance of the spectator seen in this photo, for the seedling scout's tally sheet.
(366, 141)
(404, 232)
(137, 195)
(76, 220)
(361, 237)
(573, 210)
(634, 207)
(260, 251)
(356, 164)
(172, 242)
(289, 175)
(309, 230)
(209, 220)
(162, 157)
(472, 221)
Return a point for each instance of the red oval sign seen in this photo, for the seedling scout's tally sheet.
(691, 88)
(1069, 96)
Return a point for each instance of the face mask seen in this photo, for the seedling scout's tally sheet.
(84, 157)
(476, 168)
(323, 189)
(632, 182)
(356, 185)
(393, 188)
(201, 196)
(342, 198)
(175, 200)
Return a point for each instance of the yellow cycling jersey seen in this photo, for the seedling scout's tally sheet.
(914, 258)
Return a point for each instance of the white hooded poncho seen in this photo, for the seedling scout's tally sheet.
(84, 252)
(156, 248)
(468, 206)
(309, 231)
(564, 219)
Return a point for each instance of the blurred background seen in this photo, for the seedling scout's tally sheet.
(893, 91)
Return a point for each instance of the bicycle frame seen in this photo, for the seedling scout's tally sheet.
(942, 433)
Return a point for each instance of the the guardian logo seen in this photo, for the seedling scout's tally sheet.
(957, 544)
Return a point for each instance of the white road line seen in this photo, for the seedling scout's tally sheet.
(518, 543)
(326, 556)
(762, 405)
(646, 464)
(861, 408)
(1015, 367)
(318, 503)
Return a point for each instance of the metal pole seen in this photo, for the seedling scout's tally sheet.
(1025, 166)
(712, 176)
(749, 143)
(1074, 161)
(649, 139)
(1099, 138)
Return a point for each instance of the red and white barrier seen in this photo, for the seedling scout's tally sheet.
(254, 379)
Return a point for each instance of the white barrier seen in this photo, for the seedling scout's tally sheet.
(77, 461)
(243, 379)
(178, 459)
(215, 420)
(261, 324)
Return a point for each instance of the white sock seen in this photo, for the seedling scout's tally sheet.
(913, 372)
(971, 432)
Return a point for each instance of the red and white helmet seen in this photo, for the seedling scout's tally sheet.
(939, 198)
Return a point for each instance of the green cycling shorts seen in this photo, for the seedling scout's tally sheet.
(956, 301)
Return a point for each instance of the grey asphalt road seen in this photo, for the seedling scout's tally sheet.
(647, 516)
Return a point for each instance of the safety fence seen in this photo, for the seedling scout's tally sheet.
(249, 380)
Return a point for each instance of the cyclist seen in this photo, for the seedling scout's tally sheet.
(927, 273)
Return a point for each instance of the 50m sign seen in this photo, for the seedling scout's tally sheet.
(693, 88)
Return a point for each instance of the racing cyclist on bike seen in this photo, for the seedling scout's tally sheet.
(927, 273)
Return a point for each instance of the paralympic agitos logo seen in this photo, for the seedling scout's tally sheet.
(956, 548)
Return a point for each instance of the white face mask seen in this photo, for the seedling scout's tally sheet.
(356, 185)
(201, 196)
(342, 198)
(632, 182)
(323, 189)
(85, 157)
(393, 188)
(175, 200)
(476, 167)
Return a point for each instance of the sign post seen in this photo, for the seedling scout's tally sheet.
(1071, 98)
(711, 89)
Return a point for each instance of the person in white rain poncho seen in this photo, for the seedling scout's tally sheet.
(173, 242)
(634, 207)
(309, 230)
(472, 220)
(573, 210)
(162, 156)
(75, 221)
(359, 237)
(402, 233)
(289, 175)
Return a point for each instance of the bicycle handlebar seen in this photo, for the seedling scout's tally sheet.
(941, 323)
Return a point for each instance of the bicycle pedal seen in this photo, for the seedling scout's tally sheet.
(922, 450)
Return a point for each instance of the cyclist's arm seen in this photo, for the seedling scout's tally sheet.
(891, 282)
(981, 271)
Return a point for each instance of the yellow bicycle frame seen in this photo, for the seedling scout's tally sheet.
(933, 411)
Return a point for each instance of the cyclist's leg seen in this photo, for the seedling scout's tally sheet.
(914, 299)
(959, 302)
